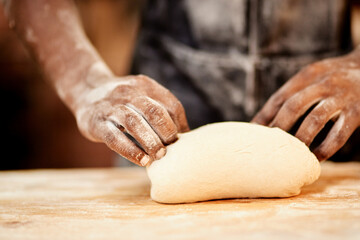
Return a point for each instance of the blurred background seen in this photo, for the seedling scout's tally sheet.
(38, 131)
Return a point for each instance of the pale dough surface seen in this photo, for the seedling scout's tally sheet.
(232, 160)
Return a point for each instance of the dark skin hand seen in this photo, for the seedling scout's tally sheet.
(107, 108)
(333, 87)
(137, 106)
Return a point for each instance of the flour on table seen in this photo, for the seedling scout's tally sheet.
(232, 160)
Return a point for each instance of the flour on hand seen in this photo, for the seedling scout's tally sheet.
(232, 160)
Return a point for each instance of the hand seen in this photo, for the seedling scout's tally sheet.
(333, 87)
(133, 106)
(107, 109)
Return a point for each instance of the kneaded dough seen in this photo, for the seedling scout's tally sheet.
(232, 160)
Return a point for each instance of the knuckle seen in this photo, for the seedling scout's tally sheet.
(152, 110)
(341, 137)
(176, 108)
(158, 116)
(143, 78)
(328, 148)
(131, 120)
(259, 118)
(314, 67)
(307, 69)
(120, 92)
(140, 99)
(110, 140)
(328, 82)
(277, 99)
(291, 106)
(311, 69)
(90, 121)
(353, 112)
(356, 110)
(153, 107)
(322, 153)
(179, 106)
(304, 136)
(265, 114)
(315, 121)
(170, 134)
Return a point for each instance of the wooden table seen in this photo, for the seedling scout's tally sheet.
(115, 204)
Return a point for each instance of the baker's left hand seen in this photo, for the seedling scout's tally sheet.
(333, 87)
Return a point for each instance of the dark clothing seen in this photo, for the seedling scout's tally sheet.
(224, 59)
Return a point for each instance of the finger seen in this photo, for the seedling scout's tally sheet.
(336, 138)
(177, 113)
(296, 106)
(271, 108)
(117, 141)
(157, 116)
(170, 102)
(175, 110)
(139, 129)
(316, 120)
(298, 82)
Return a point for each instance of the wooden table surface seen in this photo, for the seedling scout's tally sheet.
(115, 204)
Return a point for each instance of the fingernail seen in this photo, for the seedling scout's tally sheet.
(145, 160)
(160, 153)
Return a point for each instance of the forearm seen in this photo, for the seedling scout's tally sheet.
(52, 32)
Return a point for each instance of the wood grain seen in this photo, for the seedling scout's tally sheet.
(115, 204)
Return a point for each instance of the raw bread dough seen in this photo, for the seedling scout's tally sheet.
(232, 160)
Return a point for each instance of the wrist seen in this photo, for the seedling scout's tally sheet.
(98, 73)
(78, 81)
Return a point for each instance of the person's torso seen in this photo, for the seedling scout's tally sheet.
(234, 54)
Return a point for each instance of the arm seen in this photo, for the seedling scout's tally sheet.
(106, 107)
(333, 86)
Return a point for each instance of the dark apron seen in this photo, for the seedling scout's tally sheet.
(224, 59)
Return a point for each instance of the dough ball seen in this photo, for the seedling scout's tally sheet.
(232, 160)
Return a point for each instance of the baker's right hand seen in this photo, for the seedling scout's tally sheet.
(134, 107)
